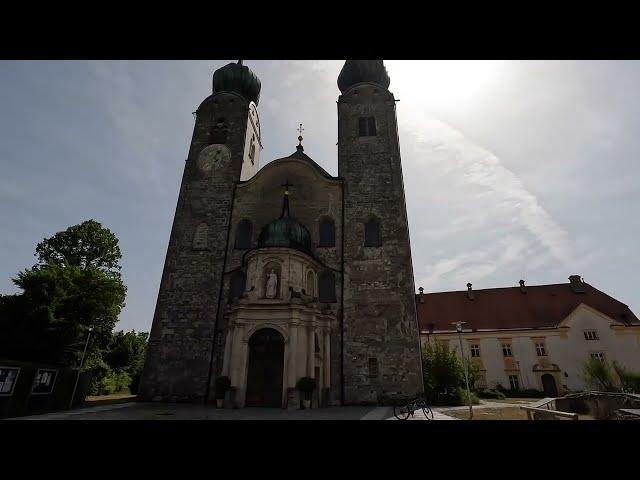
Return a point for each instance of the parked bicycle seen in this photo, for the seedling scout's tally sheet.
(402, 412)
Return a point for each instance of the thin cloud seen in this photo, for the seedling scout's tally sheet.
(466, 203)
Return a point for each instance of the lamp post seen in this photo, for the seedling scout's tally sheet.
(75, 385)
(464, 363)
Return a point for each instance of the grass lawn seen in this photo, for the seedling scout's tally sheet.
(113, 398)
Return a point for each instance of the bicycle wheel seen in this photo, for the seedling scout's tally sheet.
(401, 412)
(428, 413)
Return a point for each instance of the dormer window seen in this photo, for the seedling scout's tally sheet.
(591, 335)
(367, 127)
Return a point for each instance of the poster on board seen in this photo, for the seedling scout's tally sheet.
(44, 381)
(8, 379)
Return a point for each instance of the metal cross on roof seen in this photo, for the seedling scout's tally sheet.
(300, 130)
(286, 186)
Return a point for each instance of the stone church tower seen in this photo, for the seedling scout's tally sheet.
(381, 350)
(283, 272)
(224, 148)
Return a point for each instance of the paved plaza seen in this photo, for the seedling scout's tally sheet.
(169, 411)
(181, 411)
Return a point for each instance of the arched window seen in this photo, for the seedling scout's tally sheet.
(252, 149)
(238, 284)
(372, 235)
(327, 288)
(367, 126)
(327, 233)
(244, 233)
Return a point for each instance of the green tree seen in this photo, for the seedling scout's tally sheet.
(87, 246)
(126, 351)
(629, 380)
(75, 285)
(599, 375)
(443, 374)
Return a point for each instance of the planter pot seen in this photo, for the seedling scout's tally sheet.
(220, 402)
(307, 404)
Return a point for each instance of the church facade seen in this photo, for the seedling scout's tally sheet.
(282, 272)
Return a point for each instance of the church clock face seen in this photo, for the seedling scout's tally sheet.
(214, 156)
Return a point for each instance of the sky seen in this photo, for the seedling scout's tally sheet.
(512, 169)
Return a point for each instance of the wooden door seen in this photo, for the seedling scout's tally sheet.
(266, 365)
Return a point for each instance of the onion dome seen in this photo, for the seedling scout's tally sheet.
(236, 78)
(286, 231)
(363, 71)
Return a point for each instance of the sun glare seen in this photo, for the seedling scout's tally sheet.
(442, 83)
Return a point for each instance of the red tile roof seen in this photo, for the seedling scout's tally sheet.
(542, 306)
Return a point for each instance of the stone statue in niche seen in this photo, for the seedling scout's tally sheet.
(271, 289)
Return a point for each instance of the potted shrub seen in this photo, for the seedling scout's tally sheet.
(223, 385)
(306, 385)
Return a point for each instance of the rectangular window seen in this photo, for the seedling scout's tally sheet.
(373, 367)
(506, 350)
(591, 335)
(541, 349)
(475, 350)
(481, 380)
(513, 382)
(598, 356)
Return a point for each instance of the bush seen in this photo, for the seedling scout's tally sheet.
(462, 397)
(306, 385)
(114, 382)
(526, 393)
(599, 375)
(488, 393)
(222, 386)
(629, 380)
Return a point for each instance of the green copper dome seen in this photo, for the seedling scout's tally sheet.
(237, 78)
(286, 231)
(360, 71)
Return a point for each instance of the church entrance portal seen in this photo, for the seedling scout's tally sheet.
(549, 385)
(266, 364)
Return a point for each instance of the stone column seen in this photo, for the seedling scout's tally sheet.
(311, 351)
(226, 367)
(293, 354)
(326, 357)
(236, 353)
(301, 356)
(243, 357)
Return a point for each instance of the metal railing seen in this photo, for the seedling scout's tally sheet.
(544, 408)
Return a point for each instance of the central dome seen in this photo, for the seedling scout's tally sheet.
(285, 232)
